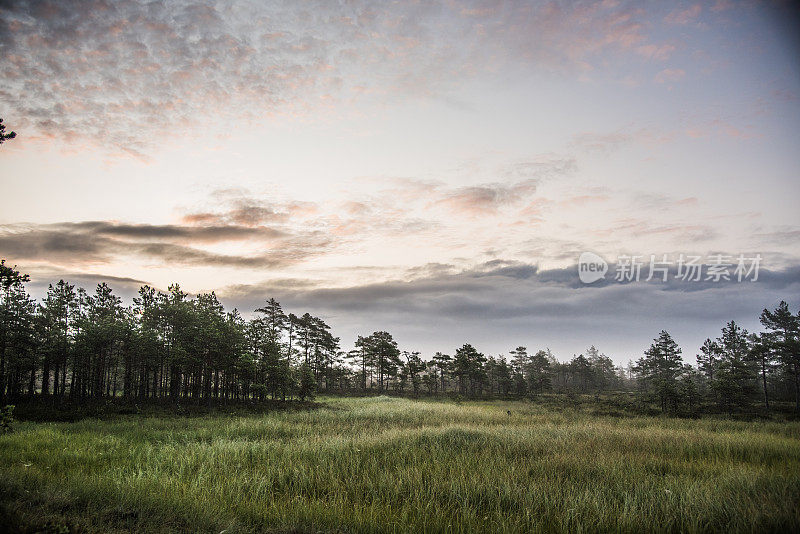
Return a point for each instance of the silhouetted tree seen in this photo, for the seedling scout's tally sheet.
(708, 359)
(468, 369)
(54, 314)
(660, 369)
(688, 387)
(361, 358)
(783, 333)
(604, 374)
(17, 334)
(499, 376)
(763, 355)
(441, 363)
(582, 372)
(269, 334)
(5, 136)
(414, 366)
(384, 355)
(537, 374)
(733, 380)
(308, 384)
(171, 345)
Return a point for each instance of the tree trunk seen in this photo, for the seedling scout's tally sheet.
(46, 377)
(32, 382)
(63, 389)
(288, 378)
(56, 377)
(796, 388)
(2, 371)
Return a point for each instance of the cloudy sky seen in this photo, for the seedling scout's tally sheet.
(434, 169)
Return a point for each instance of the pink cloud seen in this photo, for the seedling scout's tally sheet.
(721, 128)
(684, 16)
(582, 200)
(485, 199)
(670, 75)
(659, 53)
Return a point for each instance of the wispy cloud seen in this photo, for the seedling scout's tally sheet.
(123, 73)
(683, 16)
(656, 52)
(670, 75)
(485, 199)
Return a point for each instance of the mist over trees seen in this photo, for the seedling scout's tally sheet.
(170, 345)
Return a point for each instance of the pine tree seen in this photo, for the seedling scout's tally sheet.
(442, 363)
(733, 380)
(708, 359)
(270, 329)
(660, 369)
(308, 384)
(783, 333)
(763, 355)
(414, 366)
(385, 355)
(582, 372)
(537, 374)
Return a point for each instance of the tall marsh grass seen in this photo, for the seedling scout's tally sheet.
(396, 465)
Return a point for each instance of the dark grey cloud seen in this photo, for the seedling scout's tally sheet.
(42, 277)
(103, 242)
(208, 234)
(501, 304)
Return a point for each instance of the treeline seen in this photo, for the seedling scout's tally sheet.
(165, 345)
(733, 371)
(172, 346)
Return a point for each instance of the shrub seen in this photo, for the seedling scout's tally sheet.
(7, 419)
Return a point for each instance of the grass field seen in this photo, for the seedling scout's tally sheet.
(395, 465)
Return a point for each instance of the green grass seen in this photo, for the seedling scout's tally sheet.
(397, 465)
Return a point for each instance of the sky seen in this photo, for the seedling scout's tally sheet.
(434, 169)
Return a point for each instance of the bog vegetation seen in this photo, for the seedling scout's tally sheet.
(173, 347)
(389, 464)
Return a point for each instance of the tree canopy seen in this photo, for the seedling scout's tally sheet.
(172, 345)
